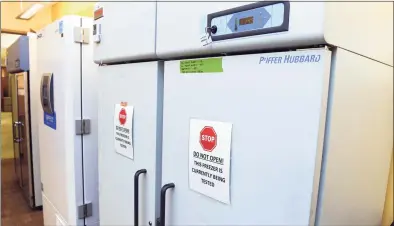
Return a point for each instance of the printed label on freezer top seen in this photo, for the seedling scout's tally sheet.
(209, 159)
(123, 130)
(290, 59)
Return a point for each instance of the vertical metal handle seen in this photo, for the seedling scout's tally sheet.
(17, 126)
(14, 130)
(20, 130)
(136, 194)
(21, 138)
(162, 219)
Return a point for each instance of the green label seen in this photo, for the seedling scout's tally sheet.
(209, 65)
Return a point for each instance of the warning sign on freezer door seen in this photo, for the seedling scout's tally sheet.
(209, 158)
(123, 130)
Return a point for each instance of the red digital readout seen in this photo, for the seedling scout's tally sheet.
(246, 20)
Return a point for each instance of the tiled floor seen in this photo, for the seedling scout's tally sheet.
(7, 150)
(14, 209)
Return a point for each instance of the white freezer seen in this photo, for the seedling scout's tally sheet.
(129, 163)
(281, 137)
(21, 64)
(304, 144)
(297, 123)
(68, 159)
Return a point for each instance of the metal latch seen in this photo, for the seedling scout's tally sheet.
(81, 35)
(82, 127)
(85, 210)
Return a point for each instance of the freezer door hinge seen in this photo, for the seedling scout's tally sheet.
(81, 35)
(85, 210)
(42, 186)
(82, 127)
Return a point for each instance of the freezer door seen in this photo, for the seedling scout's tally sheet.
(61, 150)
(130, 126)
(21, 134)
(242, 138)
(17, 121)
(23, 80)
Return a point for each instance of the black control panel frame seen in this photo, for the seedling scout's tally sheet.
(281, 28)
(46, 93)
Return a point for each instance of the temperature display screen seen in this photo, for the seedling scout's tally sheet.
(246, 20)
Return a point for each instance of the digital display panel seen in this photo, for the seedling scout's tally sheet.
(246, 20)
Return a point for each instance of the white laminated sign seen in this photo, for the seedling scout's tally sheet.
(123, 130)
(209, 159)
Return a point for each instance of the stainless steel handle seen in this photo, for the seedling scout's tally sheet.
(18, 140)
(17, 126)
(21, 138)
(18, 123)
(14, 131)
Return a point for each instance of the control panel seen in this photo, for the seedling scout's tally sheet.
(248, 20)
(98, 14)
(47, 101)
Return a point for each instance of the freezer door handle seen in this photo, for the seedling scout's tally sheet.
(136, 194)
(162, 219)
(17, 126)
(20, 129)
(14, 130)
(18, 123)
(18, 140)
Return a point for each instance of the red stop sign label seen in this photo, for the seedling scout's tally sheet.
(122, 116)
(208, 138)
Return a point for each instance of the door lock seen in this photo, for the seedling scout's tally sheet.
(211, 30)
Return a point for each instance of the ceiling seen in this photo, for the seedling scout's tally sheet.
(8, 39)
(13, 8)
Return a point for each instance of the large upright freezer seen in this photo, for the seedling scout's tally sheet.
(130, 111)
(21, 65)
(275, 113)
(68, 122)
